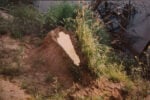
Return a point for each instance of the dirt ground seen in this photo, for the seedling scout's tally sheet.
(42, 67)
(35, 68)
(10, 91)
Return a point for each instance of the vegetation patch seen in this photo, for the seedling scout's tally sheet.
(97, 51)
(27, 20)
(57, 15)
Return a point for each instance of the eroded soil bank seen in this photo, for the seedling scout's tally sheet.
(42, 68)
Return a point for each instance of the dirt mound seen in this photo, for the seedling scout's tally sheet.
(40, 67)
(57, 55)
(10, 91)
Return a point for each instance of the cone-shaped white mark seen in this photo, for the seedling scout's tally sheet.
(65, 42)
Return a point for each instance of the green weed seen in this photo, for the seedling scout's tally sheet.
(57, 15)
(27, 20)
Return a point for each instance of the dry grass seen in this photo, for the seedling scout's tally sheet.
(98, 52)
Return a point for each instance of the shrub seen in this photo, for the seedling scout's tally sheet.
(58, 14)
(27, 20)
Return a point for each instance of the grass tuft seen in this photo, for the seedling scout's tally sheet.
(57, 15)
(98, 51)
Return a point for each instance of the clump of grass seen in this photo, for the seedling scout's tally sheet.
(97, 51)
(57, 15)
(27, 20)
(89, 44)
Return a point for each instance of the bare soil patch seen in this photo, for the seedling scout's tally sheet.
(10, 91)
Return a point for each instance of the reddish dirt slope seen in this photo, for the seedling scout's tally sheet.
(101, 88)
(55, 58)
